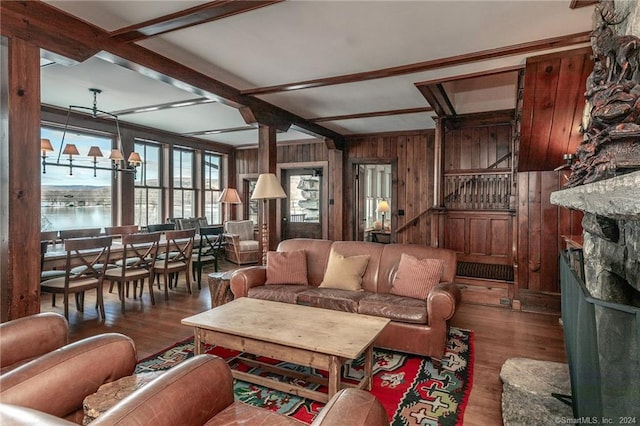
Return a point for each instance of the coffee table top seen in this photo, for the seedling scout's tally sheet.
(342, 334)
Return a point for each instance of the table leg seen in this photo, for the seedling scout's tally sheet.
(368, 366)
(335, 373)
(197, 342)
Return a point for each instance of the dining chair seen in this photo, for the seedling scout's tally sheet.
(161, 227)
(121, 230)
(50, 237)
(139, 256)
(208, 250)
(66, 234)
(90, 253)
(176, 257)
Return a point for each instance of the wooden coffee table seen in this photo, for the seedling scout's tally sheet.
(303, 335)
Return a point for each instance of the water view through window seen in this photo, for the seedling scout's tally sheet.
(79, 200)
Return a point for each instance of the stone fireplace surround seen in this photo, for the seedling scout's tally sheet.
(611, 253)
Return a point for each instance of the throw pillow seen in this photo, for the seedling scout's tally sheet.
(345, 273)
(287, 267)
(417, 277)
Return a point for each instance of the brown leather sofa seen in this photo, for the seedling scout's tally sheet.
(41, 371)
(199, 391)
(417, 326)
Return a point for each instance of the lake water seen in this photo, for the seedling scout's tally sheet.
(56, 218)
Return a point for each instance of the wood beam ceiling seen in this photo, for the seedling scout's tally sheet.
(60, 33)
(371, 114)
(438, 99)
(187, 18)
(514, 49)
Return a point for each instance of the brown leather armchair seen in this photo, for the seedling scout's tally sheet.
(200, 391)
(46, 374)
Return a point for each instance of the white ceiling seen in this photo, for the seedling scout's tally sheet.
(297, 41)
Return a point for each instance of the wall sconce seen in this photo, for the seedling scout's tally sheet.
(116, 156)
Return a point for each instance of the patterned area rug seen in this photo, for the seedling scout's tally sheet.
(412, 391)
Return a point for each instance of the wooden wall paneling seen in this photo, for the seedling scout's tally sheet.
(565, 136)
(455, 235)
(336, 194)
(503, 145)
(412, 200)
(401, 147)
(478, 229)
(523, 231)
(550, 236)
(534, 229)
(499, 238)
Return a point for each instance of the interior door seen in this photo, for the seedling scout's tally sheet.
(302, 209)
(373, 190)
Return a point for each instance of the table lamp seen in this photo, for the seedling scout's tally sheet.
(383, 207)
(229, 196)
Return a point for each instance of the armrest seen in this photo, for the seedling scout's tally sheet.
(26, 338)
(15, 415)
(190, 393)
(58, 382)
(245, 278)
(352, 407)
(442, 302)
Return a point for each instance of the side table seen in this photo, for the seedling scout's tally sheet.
(219, 287)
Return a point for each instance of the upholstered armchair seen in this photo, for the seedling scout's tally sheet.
(241, 246)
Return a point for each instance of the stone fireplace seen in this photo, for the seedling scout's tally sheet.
(601, 296)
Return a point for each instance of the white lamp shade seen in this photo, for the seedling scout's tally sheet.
(383, 207)
(229, 196)
(267, 188)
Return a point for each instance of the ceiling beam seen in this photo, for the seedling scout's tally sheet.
(58, 32)
(197, 15)
(371, 114)
(514, 49)
(160, 107)
(469, 76)
(438, 99)
(219, 131)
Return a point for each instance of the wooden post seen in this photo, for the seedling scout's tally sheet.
(267, 159)
(20, 180)
(437, 218)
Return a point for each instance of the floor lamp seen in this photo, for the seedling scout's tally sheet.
(267, 188)
(227, 197)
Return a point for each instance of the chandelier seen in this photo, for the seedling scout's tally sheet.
(117, 159)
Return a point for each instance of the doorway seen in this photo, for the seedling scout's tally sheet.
(373, 200)
(302, 209)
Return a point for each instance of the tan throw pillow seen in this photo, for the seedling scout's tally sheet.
(345, 273)
(287, 267)
(417, 277)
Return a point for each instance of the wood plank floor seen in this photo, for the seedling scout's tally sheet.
(499, 334)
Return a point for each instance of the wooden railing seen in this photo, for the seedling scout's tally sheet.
(486, 190)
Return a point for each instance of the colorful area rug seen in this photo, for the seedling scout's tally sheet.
(412, 391)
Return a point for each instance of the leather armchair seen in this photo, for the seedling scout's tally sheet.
(241, 246)
(200, 391)
(24, 339)
(53, 377)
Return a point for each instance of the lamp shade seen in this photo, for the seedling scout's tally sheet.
(383, 207)
(267, 188)
(229, 196)
(134, 159)
(116, 155)
(45, 145)
(95, 151)
(70, 149)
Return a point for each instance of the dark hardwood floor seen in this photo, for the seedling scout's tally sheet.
(499, 334)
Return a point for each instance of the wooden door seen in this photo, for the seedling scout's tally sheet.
(302, 209)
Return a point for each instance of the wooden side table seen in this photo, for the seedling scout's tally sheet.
(219, 287)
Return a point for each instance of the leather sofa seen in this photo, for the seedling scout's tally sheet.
(417, 326)
(199, 391)
(41, 371)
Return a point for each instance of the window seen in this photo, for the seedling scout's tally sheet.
(250, 206)
(80, 199)
(183, 187)
(211, 171)
(148, 185)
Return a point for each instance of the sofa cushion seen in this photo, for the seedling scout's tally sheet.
(248, 245)
(396, 308)
(417, 277)
(287, 267)
(331, 298)
(344, 273)
(285, 293)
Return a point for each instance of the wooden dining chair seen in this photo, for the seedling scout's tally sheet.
(161, 227)
(137, 264)
(91, 254)
(176, 257)
(121, 230)
(66, 234)
(207, 251)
